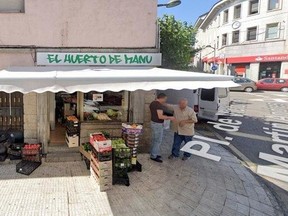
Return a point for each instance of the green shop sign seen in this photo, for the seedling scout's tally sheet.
(98, 59)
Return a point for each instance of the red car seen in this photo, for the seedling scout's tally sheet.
(275, 84)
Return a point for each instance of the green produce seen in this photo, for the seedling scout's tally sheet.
(111, 113)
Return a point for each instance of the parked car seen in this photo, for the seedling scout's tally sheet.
(276, 84)
(246, 84)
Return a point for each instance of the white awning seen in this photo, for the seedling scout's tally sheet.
(71, 79)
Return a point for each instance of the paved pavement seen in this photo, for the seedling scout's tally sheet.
(197, 187)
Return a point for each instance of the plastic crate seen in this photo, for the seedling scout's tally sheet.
(27, 167)
(122, 152)
(121, 178)
(102, 156)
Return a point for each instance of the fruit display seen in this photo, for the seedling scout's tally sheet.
(31, 149)
(132, 128)
(72, 118)
(103, 117)
(98, 137)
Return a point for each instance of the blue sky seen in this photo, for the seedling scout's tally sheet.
(188, 11)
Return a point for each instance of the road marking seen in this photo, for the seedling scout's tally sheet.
(229, 138)
(256, 99)
(212, 140)
(280, 95)
(280, 100)
(251, 136)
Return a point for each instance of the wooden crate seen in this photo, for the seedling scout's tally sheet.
(85, 153)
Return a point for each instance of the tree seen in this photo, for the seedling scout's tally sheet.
(176, 41)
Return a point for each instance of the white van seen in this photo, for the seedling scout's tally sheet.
(207, 103)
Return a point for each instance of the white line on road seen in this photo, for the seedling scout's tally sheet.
(256, 99)
(212, 140)
(280, 100)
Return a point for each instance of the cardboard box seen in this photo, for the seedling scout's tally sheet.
(100, 146)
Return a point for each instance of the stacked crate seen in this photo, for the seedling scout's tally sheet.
(72, 131)
(131, 134)
(121, 162)
(101, 160)
(31, 159)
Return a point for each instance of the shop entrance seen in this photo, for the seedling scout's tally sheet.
(270, 70)
(65, 105)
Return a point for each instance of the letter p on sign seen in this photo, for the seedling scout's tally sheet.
(203, 152)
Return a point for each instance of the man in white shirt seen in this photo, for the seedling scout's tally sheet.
(183, 127)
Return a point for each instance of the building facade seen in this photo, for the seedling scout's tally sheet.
(65, 26)
(244, 38)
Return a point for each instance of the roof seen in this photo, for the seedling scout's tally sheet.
(209, 16)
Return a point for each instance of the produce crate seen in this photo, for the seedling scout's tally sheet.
(31, 149)
(102, 165)
(100, 146)
(101, 172)
(122, 152)
(72, 141)
(123, 179)
(27, 167)
(104, 183)
(102, 156)
(33, 158)
(84, 153)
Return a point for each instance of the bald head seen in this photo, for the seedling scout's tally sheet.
(183, 103)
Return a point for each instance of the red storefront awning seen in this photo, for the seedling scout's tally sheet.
(260, 58)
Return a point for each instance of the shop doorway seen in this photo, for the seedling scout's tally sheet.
(64, 105)
(270, 70)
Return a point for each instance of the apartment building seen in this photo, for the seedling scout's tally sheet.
(244, 38)
(37, 34)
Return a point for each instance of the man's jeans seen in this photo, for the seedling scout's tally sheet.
(157, 137)
(178, 139)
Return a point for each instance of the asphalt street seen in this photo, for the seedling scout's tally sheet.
(257, 129)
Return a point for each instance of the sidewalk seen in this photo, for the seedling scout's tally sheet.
(195, 187)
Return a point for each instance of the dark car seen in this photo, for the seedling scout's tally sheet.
(246, 84)
(276, 84)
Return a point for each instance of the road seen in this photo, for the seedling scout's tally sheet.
(257, 129)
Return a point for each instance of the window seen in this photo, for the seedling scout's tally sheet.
(273, 4)
(237, 12)
(280, 81)
(208, 94)
(254, 7)
(272, 31)
(222, 92)
(12, 6)
(251, 33)
(108, 103)
(268, 80)
(224, 39)
(225, 16)
(235, 37)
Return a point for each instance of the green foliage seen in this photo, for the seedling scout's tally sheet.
(177, 39)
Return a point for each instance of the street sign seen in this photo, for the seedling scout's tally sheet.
(214, 67)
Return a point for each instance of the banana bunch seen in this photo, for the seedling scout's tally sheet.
(103, 117)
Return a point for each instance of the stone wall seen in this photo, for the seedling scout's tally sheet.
(149, 96)
(30, 117)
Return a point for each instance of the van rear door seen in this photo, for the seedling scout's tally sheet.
(208, 104)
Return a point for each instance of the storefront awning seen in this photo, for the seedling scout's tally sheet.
(71, 79)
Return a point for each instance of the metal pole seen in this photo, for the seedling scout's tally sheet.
(214, 60)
